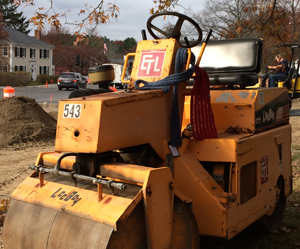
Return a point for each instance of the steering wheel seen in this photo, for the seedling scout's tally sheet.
(174, 32)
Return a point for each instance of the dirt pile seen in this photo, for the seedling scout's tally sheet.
(24, 123)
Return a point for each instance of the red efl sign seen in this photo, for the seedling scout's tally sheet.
(151, 63)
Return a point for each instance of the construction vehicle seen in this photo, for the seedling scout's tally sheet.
(292, 83)
(117, 177)
(118, 69)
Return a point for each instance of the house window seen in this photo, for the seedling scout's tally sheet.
(44, 70)
(44, 53)
(5, 51)
(5, 68)
(47, 53)
(23, 52)
(17, 51)
(20, 68)
(32, 53)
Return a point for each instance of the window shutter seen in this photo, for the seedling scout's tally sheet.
(24, 53)
(16, 53)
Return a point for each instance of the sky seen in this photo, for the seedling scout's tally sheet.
(132, 18)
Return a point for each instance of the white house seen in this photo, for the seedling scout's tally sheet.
(21, 52)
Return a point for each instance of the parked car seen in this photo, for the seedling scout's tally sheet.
(87, 79)
(71, 80)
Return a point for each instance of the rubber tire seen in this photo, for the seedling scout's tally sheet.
(269, 223)
(59, 88)
(87, 92)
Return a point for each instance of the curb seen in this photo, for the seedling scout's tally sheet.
(49, 85)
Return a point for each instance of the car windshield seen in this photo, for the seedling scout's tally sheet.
(67, 75)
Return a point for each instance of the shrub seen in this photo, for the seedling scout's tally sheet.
(54, 78)
(42, 78)
(15, 78)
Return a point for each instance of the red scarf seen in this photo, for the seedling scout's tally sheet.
(202, 117)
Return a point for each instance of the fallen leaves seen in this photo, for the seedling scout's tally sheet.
(295, 174)
(4, 205)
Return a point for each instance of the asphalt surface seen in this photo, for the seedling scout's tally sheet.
(43, 94)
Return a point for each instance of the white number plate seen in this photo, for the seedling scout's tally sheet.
(72, 111)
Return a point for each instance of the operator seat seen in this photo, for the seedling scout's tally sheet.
(291, 75)
(232, 62)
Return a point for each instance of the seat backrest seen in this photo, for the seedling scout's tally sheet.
(233, 61)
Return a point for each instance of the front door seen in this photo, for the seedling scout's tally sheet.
(33, 70)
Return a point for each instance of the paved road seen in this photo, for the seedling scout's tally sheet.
(43, 94)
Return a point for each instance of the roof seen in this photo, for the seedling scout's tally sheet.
(18, 37)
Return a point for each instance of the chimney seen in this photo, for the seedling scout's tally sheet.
(37, 34)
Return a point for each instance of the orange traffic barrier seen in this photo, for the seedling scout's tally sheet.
(8, 92)
(46, 83)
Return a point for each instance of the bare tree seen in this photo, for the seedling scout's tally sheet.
(90, 15)
(292, 8)
(235, 18)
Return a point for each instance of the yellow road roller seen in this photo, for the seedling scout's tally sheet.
(186, 150)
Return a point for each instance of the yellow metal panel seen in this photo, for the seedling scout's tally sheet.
(73, 134)
(103, 119)
(79, 202)
(50, 159)
(167, 48)
(118, 98)
(214, 150)
(158, 196)
(234, 110)
(129, 172)
(240, 216)
(192, 180)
